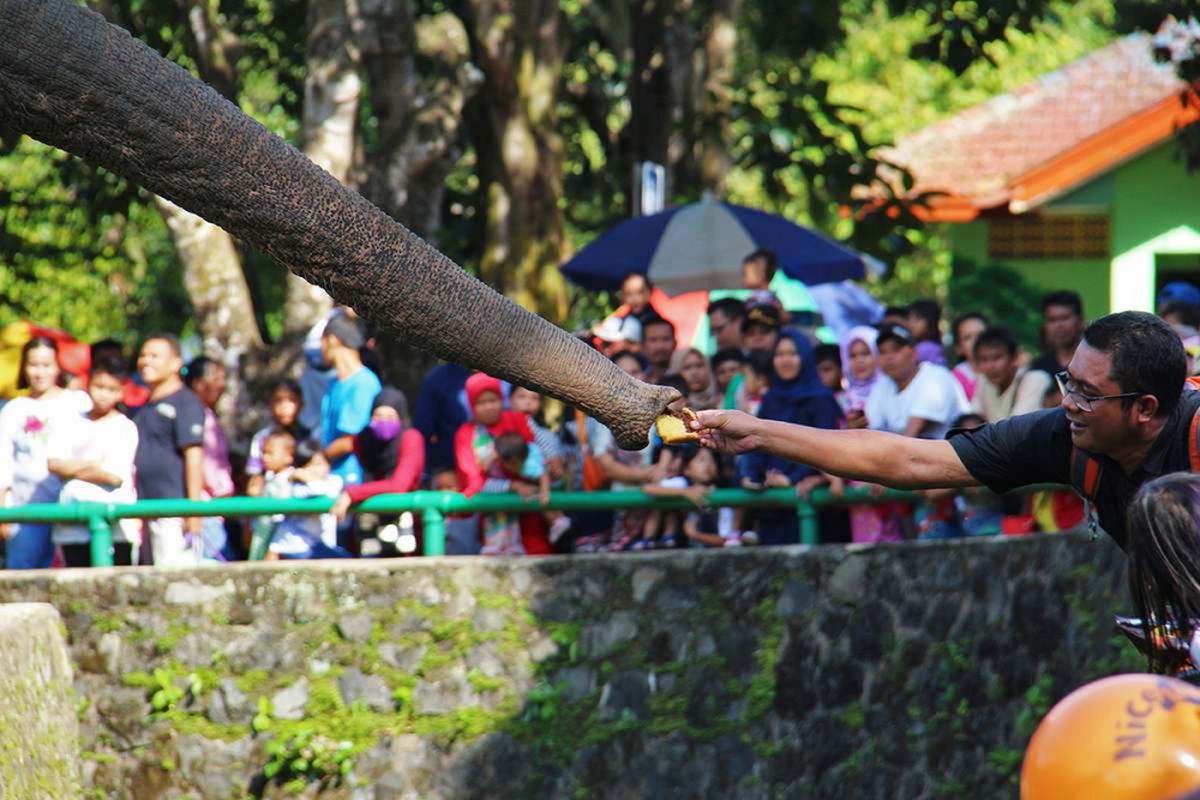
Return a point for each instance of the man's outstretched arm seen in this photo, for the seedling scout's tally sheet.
(864, 455)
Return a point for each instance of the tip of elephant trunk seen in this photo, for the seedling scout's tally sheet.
(631, 425)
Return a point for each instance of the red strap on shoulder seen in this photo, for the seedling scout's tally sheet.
(1193, 444)
(1091, 479)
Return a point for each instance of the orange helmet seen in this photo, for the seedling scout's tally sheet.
(1128, 737)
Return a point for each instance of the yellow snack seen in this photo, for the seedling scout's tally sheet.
(673, 430)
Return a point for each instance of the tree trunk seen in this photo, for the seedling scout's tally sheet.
(215, 283)
(419, 113)
(332, 90)
(519, 44)
(720, 53)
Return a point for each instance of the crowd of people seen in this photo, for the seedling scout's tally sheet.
(340, 432)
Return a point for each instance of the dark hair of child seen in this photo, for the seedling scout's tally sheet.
(306, 451)
(109, 365)
(511, 447)
(827, 352)
(289, 385)
(727, 354)
(760, 362)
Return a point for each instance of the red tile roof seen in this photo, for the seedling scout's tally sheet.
(980, 154)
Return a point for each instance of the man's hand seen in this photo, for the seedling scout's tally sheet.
(727, 431)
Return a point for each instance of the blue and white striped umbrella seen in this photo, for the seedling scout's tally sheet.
(701, 246)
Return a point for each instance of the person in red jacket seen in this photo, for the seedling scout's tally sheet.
(392, 456)
(479, 469)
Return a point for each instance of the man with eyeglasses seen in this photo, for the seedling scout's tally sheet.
(1125, 418)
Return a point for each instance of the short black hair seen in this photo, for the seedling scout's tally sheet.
(643, 363)
(306, 451)
(1188, 314)
(895, 311)
(827, 352)
(629, 275)
(760, 362)
(281, 433)
(171, 339)
(929, 310)
(676, 382)
(1063, 297)
(997, 336)
(109, 365)
(287, 384)
(511, 447)
(731, 307)
(656, 320)
(769, 259)
(963, 317)
(347, 331)
(197, 368)
(1147, 356)
(727, 354)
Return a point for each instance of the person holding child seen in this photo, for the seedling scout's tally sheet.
(285, 400)
(482, 468)
(297, 470)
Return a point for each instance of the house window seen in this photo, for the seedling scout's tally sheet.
(1049, 236)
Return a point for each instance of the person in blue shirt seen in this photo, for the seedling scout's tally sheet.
(346, 406)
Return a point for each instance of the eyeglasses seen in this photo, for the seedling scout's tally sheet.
(1068, 387)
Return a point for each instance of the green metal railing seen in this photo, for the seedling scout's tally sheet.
(433, 508)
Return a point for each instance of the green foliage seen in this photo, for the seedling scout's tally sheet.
(1039, 699)
(310, 756)
(1001, 293)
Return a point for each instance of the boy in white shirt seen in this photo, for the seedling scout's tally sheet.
(93, 455)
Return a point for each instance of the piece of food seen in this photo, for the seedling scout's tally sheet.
(674, 430)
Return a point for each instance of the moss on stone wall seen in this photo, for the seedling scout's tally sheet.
(826, 673)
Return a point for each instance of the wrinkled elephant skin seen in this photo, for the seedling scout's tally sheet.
(70, 79)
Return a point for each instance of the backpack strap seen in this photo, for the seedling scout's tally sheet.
(1085, 478)
(1086, 470)
(1194, 442)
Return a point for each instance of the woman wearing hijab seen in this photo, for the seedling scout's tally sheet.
(796, 396)
(392, 456)
(868, 523)
(702, 391)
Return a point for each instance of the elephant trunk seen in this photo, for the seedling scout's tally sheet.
(70, 79)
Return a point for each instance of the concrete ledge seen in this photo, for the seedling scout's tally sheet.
(38, 730)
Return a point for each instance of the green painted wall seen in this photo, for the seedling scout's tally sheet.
(1157, 211)
(1088, 277)
(1155, 208)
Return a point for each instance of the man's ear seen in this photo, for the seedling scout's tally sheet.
(1146, 407)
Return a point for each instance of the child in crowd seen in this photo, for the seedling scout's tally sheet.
(208, 379)
(520, 466)
(758, 270)
(276, 457)
(308, 535)
(757, 372)
(829, 369)
(924, 322)
(285, 402)
(94, 457)
(480, 469)
(980, 513)
(462, 530)
(726, 364)
(662, 528)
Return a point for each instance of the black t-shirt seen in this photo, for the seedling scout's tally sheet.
(1036, 448)
(165, 428)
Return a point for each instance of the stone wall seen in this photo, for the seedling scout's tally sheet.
(38, 732)
(913, 670)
